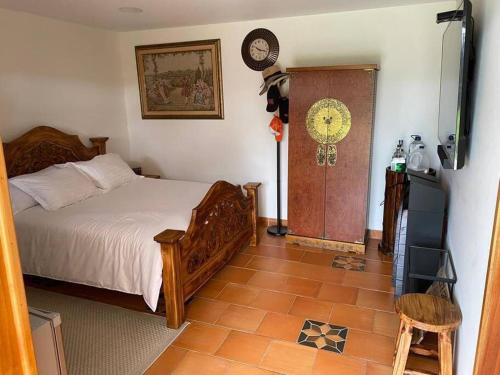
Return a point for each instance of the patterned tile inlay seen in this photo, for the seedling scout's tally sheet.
(349, 263)
(323, 336)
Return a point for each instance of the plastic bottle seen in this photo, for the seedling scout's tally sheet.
(415, 144)
(418, 159)
(398, 162)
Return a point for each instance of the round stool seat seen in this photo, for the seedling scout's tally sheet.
(428, 313)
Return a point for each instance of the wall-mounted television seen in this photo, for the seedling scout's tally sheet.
(456, 77)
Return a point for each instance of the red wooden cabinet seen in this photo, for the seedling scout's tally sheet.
(330, 136)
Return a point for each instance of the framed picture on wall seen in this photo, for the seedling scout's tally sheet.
(180, 80)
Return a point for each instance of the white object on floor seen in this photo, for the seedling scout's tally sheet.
(47, 342)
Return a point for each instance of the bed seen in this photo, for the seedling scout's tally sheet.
(137, 238)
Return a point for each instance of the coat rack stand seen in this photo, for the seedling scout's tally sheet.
(278, 230)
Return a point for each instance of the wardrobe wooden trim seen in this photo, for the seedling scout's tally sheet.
(17, 348)
(333, 67)
(488, 344)
(347, 247)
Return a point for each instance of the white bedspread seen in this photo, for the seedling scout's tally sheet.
(107, 240)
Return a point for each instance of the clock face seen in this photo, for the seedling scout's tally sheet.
(259, 49)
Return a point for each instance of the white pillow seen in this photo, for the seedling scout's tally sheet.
(55, 187)
(107, 171)
(19, 200)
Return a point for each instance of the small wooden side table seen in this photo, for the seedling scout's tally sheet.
(393, 198)
(428, 313)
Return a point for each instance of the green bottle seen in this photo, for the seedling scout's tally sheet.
(398, 162)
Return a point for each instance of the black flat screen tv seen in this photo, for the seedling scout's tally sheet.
(456, 78)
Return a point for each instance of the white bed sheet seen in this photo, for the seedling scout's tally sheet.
(107, 240)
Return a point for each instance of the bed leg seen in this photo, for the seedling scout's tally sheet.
(252, 192)
(172, 281)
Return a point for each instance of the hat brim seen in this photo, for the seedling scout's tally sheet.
(274, 81)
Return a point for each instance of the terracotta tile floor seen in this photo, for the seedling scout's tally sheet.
(248, 318)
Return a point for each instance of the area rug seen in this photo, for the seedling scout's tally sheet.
(105, 339)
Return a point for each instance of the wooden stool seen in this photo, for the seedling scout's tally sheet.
(428, 313)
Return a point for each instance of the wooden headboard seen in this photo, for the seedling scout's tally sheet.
(44, 146)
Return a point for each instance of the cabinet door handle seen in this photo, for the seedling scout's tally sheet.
(321, 155)
(331, 155)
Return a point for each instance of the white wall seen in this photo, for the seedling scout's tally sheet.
(472, 191)
(405, 41)
(60, 74)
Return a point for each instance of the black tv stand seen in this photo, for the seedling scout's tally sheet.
(425, 201)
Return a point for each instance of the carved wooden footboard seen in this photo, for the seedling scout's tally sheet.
(222, 224)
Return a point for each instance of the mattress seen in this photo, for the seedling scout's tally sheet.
(106, 241)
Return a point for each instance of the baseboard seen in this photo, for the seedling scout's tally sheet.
(267, 221)
(373, 234)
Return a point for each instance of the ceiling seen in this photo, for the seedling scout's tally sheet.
(171, 13)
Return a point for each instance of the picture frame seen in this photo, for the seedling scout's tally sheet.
(180, 80)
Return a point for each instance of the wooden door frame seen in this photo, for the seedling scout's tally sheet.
(17, 355)
(488, 343)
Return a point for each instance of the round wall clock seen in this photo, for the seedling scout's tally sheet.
(260, 49)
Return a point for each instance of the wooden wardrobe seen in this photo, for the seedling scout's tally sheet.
(330, 136)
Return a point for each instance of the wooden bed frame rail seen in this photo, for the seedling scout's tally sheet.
(224, 223)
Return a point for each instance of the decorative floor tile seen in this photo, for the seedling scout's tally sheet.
(349, 263)
(324, 336)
